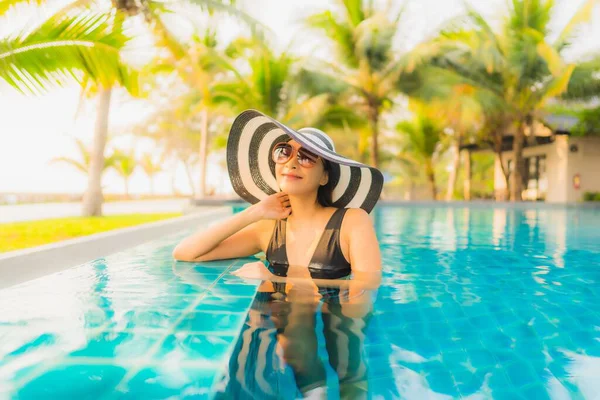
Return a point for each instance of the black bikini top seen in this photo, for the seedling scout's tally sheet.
(327, 262)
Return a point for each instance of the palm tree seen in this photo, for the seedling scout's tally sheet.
(367, 64)
(125, 165)
(80, 45)
(84, 162)
(420, 142)
(151, 168)
(517, 64)
(175, 130)
(200, 71)
(277, 85)
(151, 11)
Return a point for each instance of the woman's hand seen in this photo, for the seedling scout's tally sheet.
(276, 206)
(253, 270)
(302, 291)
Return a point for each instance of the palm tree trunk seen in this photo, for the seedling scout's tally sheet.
(516, 188)
(188, 173)
(431, 179)
(410, 194)
(92, 200)
(374, 123)
(174, 189)
(467, 183)
(203, 153)
(502, 195)
(497, 137)
(453, 171)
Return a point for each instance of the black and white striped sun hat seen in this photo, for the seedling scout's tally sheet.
(252, 170)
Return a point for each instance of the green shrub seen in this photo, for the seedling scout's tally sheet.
(591, 196)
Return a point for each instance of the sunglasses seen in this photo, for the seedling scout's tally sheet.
(283, 152)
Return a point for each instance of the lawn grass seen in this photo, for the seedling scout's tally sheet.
(21, 235)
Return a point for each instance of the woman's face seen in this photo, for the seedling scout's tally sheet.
(295, 179)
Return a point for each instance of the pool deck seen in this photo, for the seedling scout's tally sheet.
(23, 265)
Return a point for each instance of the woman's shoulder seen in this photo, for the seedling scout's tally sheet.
(356, 214)
(354, 218)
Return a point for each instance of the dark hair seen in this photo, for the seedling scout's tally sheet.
(324, 193)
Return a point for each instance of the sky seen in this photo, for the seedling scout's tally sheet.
(35, 130)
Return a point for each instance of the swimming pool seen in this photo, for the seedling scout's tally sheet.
(476, 302)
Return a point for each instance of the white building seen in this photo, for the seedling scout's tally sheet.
(559, 168)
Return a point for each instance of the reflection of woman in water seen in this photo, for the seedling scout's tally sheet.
(281, 331)
(309, 215)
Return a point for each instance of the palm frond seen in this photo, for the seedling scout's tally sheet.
(582, 15)
(66, 48)
(314, 83)
(164, 37)
(124, 163)
(354, 11)
(77, 164)
(6, 5)
(585, 81)
(149, 166)
(258, 29)
(340, 34)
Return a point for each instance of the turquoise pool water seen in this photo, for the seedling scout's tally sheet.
(475, 302)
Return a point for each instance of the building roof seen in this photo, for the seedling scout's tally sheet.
(561, 123)
(544, 131)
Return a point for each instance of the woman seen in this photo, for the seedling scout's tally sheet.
(309, 215)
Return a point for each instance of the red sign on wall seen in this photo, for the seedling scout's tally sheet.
(576, 181)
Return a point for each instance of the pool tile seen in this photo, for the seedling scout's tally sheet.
(135, 301)
(175, 287)
(204, 350)
(377, 351)
(521, 374)
(170, 381)
(18, 345)
(230, 279)
(536, 391)
(145, 318)
(454, 357)
(15, 369)
(73, 382)
(498, 379)
(440, 380)
(467, 382)
(224, 288)
(203, 280)
(483, 322)
(379, 368)
(426, 346)
(481, 357)
(224, 303)
(207, 321)
(39, 343)
(507, 394)
(117, 346)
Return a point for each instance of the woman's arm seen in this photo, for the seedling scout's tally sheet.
(232, 238)
(365, 256)
(238, 236)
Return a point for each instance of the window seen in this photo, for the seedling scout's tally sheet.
(534, 180)
(535, 184)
